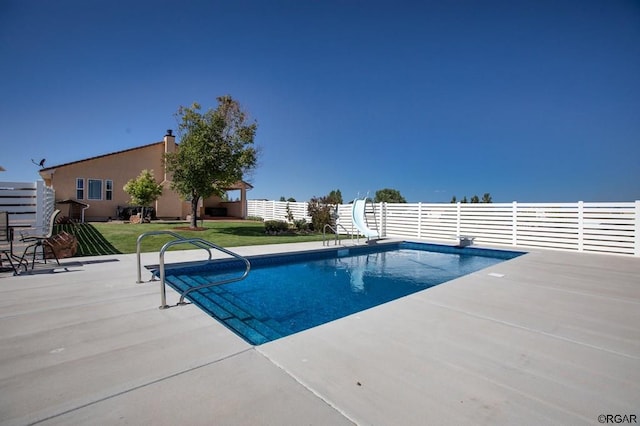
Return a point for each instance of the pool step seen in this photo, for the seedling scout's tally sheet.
(213, 296)
(248, 332)
(229, 309)
(184, 282)
(257, 314)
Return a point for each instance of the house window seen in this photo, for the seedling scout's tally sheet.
(108, 189)
(95, 189)
(80, 189)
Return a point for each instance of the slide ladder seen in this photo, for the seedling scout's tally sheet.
(359, 216)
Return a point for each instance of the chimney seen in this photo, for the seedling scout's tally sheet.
(169, 141)
(169, 147)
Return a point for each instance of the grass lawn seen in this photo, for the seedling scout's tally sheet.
(115, 237)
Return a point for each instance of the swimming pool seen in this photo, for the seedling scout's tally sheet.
(286, 294)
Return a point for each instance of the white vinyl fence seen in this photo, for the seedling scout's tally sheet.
(30, 204)
(277, 210)
(584, 227)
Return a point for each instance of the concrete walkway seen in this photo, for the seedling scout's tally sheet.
(547, 338)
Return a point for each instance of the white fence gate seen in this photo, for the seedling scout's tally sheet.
(30, 204)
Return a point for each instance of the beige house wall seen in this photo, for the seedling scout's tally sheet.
(119, 168)
(169, 205)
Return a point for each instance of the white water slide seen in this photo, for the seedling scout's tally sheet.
(360, 221)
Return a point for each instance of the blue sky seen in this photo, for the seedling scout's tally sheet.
(530, 101)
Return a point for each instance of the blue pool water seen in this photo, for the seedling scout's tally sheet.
(285, 294)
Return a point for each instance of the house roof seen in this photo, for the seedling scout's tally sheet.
(237, 185)
(100, 156)
(70, 201)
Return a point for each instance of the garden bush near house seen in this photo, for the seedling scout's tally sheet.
(320, 211)
(301, 225)
(275, 227)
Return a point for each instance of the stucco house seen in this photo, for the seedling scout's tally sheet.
(94, 185)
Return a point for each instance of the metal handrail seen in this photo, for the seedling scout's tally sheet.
(146, 234)
(324, 231)
(375, 218)
(201, 242)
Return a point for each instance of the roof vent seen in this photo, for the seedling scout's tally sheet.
(169, 132)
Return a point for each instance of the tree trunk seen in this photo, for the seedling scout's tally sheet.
(194, 212)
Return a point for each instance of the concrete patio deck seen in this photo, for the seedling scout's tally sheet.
(547, 338)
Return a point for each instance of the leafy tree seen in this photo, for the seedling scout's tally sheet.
(389, 195)
(215, 151)
(335, 197)
(486, 198)
(143, 190)
(319, 208)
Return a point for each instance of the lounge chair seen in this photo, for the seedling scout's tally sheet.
(35, 241)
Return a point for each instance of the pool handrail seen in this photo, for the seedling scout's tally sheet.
(324, 231)
(160, 232)
(200, 241)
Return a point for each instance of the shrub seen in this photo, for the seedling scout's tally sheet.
(320, 211)
(274, 227)
(290, 217)
(301, 225)
(255, 218)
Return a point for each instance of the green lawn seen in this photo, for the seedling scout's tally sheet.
(111, 238)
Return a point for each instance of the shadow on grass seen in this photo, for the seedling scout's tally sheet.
(90, 240)
(255, 231)
(243, 231)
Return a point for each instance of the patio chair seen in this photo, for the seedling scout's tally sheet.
(40, 241)
(6, 241)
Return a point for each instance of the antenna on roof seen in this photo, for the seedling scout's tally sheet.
(40, 164)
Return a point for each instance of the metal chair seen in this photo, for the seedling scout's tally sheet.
(35, 241)
(6, 241)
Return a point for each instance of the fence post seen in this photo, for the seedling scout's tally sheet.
(514, 223)
(381, 217)
(40, 205)
(636, 236)
(580, 226)
(419, 220)
(384, 220)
